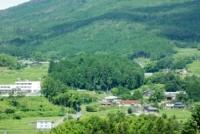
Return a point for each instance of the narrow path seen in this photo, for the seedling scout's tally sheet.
(62, 119)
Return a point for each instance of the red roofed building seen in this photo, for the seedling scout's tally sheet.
(130, 103)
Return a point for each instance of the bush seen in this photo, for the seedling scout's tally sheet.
(3, 116)
(9, 111)
(62, 111)
(68, 118)
(91, 109)
(130, 110)
(122, 92)
(17, 117)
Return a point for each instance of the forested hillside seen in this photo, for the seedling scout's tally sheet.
(49, 28)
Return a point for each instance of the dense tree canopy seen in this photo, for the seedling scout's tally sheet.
(97, 72)
(52, 87)
(59, 94)
(171, 81)
(118, 123)
(169, 63)
(192, 85)
(73, 99)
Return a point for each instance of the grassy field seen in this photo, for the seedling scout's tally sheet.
(186, 52)
(24, 107)
(104, 110)
(181, 115)
(194, 68)
(23, 126)
(35, 72)
(29, 109)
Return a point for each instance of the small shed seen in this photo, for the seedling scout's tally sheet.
(44, 124)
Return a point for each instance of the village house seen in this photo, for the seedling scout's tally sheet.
(129, 103)
(171, 96)
(24, 87)
(109, 100)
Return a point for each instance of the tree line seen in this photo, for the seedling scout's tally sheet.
(118, 123)
(169, 62)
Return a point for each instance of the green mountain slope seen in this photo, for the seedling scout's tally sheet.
(127, 27)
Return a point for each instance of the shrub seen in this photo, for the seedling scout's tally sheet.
(9, 110)
(68, 118)
(17, 117)
(3, 116)
(91, 109)
(130, 110)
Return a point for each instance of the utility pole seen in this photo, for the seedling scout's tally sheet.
(67, 115)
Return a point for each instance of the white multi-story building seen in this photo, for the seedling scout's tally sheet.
(6, 89)
(26, 87)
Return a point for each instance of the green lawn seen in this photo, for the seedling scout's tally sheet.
(186, 52)
(23, 126)
(35, 72)
(104, 111)
(181, 115)
(194, 68)
(29, 107)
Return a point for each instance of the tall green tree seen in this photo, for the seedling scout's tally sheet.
(51, 87)
(192, 85)
(192, 126)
